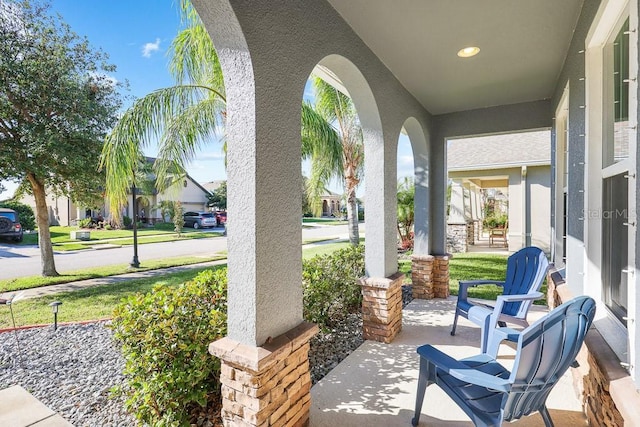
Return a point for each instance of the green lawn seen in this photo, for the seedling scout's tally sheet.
(86, 304)
(95, 272)
(324, 221)
(472, 266)
(61, 235)
(98, 302)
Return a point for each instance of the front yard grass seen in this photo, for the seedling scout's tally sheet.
(98, 302)
(96, 272)
(87, 304)
(61, 235)
(470, 266)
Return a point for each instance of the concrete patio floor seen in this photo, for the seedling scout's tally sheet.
(18, 408)
(376, 385)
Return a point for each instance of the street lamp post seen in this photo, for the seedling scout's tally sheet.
(135, 263)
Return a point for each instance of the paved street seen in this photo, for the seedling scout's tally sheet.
(19, 261)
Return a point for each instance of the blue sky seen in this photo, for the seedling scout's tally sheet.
(137, 34)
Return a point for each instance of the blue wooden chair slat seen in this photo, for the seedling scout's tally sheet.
(526, 270)
(489, 393)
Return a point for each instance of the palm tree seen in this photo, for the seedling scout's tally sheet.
(179, 117)
(183, 117)
(406, 196)
(344, 161)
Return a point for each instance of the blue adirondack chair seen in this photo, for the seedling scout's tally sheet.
(526, 270)
(487, 392)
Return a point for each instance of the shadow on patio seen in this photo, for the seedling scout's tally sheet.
(376, 384)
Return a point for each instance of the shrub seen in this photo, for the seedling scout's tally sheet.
(165, 226)
(330, 286)
(27, 218)
(85, 223)
(164, 336)
(126, 221)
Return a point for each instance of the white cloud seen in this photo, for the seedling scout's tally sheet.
(148, 48)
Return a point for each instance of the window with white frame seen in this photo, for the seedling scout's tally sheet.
(615, 170)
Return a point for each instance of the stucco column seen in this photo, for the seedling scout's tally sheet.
(457, 221)
(438, 195)
(381, 250)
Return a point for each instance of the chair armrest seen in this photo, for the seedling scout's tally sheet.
(502, 299)
(520, 297)
(480, 282)
(466, 284)
(461, 371)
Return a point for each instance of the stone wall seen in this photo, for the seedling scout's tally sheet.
(608, 394)
(457, 238)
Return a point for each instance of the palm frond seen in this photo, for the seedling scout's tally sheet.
(185, 133)
(194, 59)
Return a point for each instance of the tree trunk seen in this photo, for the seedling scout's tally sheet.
(352, 217)
(42, 220)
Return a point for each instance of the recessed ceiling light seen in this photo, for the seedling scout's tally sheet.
(468, 52)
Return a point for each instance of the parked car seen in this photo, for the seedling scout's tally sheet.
(10, 225)
(199, 219)
(221, 217)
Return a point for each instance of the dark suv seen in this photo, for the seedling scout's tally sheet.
(199, 219)
(10, 225)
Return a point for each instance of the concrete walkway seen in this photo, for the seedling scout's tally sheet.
(18, 408)
(375, 386)
(83, 284)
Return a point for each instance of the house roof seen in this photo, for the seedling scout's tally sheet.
(500, 151)
(211, 186)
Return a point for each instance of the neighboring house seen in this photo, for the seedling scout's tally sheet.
(62, 211)
(331, 204)
(516, 165)
(193, 196)
(211, 186)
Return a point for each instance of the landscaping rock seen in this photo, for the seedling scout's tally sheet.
(73, 369)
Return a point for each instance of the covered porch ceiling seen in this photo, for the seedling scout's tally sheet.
(523, 45)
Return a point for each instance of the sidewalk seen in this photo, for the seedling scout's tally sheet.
(83, 284)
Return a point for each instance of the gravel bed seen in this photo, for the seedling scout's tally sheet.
(72, 369)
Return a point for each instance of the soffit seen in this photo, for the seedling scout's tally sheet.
(523, 46)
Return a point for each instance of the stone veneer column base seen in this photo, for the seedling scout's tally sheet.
(441, 276)
(382, 307)
(268, 385)
(422, 276)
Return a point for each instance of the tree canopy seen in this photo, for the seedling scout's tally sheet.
(57, 102)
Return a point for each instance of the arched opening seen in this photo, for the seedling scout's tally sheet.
(413, 137)
(348, 82)
(143, 207)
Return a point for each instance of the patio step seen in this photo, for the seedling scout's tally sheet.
(18, 408)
